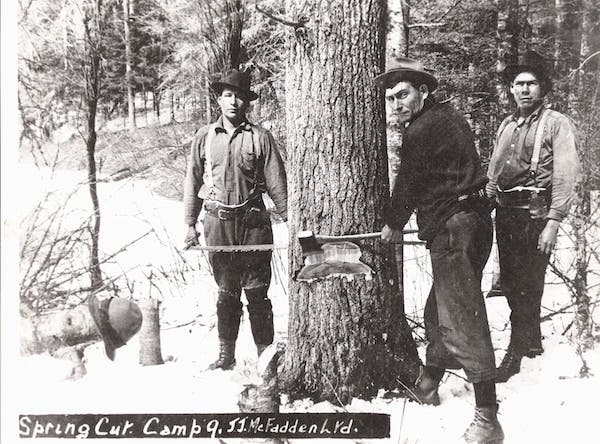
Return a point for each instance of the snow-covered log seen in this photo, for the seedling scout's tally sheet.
(63, 334)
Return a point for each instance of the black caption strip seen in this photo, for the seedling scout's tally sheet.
(226, 425)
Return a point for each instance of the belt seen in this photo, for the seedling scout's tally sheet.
(480, 193)
(518, 198)
(226, 212)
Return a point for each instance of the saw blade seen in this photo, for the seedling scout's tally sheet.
(237, 248)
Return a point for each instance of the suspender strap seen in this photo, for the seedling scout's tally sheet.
(537, 143)
(208, 171)
(255, 148)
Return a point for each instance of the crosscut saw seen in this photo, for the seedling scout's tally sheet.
(314, 238)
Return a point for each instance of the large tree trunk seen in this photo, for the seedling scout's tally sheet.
(346, 337)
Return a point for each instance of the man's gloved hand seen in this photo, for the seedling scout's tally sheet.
(191, 237)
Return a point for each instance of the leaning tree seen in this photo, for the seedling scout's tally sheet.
(347, 337)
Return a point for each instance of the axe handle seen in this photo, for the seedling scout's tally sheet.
(350, 237)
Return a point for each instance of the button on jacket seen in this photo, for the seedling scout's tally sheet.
(439, 163)
(236, 164)
(558, 168)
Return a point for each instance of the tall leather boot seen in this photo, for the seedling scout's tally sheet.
(485, 428)
(226, 359)
(510, 365)
(425, 390)
(229, 312)
(260, 312)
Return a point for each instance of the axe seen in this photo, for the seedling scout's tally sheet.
(311, 242)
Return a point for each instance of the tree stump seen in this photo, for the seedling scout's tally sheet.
(150, 349)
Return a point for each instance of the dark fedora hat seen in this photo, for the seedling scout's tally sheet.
(532, 62)
(117, 319)
(239, 80)
(405, 69)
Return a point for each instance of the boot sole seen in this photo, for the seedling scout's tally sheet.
(434, 400)
(223, 367)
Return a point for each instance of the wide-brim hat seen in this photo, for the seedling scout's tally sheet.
(117, 319)
(532, 62)
(239, 80)
(405, 69)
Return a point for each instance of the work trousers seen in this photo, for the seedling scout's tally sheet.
(522, 269)
(248, 270)
(455, 316)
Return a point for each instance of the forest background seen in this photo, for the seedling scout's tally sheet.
(117, 88)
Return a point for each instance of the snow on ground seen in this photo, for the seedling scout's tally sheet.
(546, 403)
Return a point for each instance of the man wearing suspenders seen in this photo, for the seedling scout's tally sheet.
(232, 163)
(533, 172)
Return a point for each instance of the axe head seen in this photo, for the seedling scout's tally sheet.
(308, 243)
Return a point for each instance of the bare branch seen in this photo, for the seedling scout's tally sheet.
(579, 68)
(283, 21)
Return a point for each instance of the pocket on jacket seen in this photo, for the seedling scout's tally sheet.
(247, 160)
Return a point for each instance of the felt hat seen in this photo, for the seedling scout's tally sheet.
(405, 69)
(117, 319)
(239, 80)
(532, 62)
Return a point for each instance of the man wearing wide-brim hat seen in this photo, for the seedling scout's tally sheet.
(441, 177)
(533, 171)
(232, 163)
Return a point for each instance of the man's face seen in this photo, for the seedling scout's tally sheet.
(405, 101)
(527, 91)
(233, 104)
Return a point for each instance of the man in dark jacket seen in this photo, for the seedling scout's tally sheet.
(535, 189)
(232, 163)
(441, 177)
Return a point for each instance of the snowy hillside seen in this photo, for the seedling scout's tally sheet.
(546, 403)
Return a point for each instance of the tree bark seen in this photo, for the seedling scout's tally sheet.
(234, 13)
(128, 70)
(346, 337)
(566, 49)
(507, 44)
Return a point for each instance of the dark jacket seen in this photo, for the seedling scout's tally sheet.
(439, 163)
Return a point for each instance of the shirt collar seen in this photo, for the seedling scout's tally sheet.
(534, 115)
(245, 125)
(427, 104)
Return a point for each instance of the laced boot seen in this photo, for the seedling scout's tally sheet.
(425, 390)
(485, 428)
(226, 359)
(510, 365)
